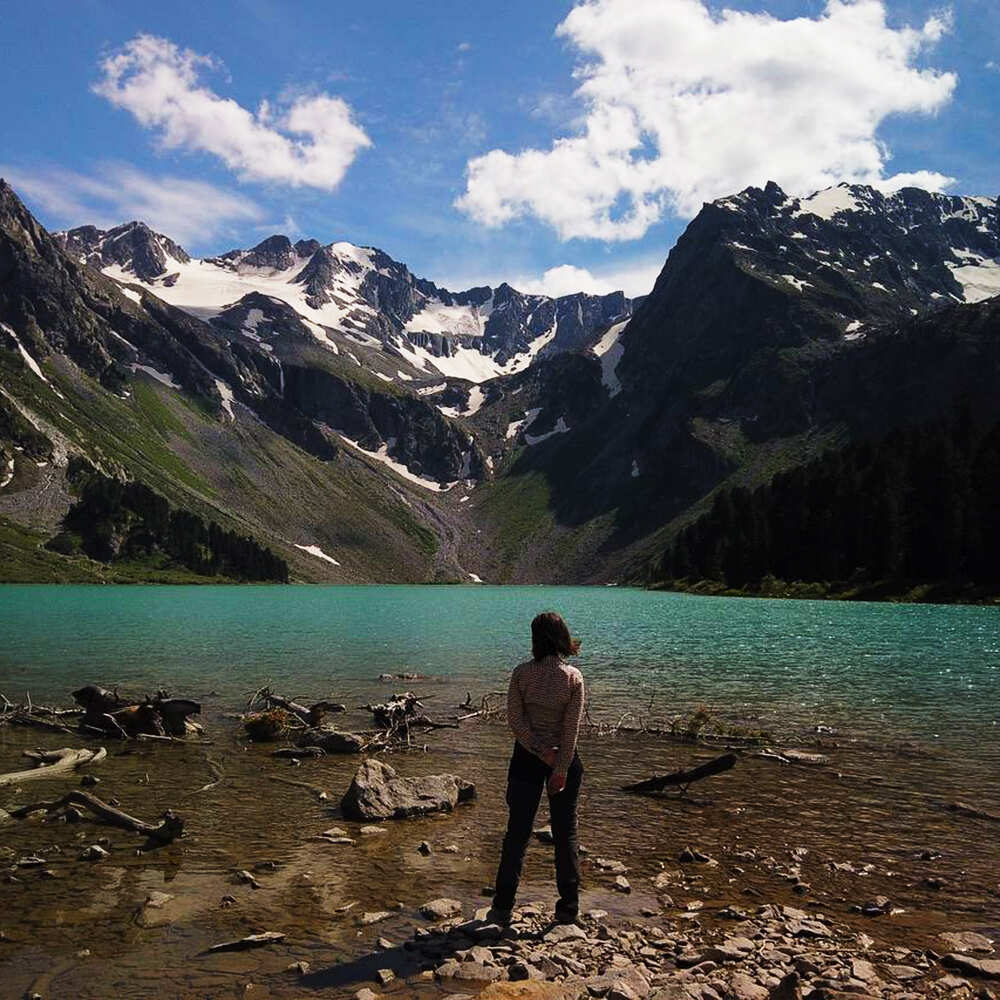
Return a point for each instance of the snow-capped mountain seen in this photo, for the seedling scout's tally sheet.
(900, 253)
(437, 434)
(347, 296)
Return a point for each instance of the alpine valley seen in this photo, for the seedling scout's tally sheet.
(317, 412)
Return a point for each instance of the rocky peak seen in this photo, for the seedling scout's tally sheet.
(275, 252)
(306, 248)
(133, 247)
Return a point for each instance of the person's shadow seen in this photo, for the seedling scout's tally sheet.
(416, 954)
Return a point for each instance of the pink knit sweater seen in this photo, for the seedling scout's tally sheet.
(544, 708)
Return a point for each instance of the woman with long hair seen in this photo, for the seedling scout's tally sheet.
(544, 708)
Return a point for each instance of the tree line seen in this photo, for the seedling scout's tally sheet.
(114, 520)
(920, 506)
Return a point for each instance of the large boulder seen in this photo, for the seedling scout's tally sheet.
(377, 792)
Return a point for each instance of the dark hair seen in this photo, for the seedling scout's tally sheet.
(550, 637)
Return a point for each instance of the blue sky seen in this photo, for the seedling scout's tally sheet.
(551, 144)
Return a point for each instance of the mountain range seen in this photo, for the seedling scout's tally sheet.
(366, 424)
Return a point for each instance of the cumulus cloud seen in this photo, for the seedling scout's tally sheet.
(311, 141)
(683, 105)
(633, 278)
(182, 209)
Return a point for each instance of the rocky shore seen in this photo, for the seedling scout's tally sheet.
(793, 874)
(771, 952)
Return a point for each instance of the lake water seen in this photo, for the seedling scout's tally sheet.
(910, 691)
(907, 671)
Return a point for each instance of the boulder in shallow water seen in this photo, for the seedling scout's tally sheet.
(378, 792)
(329, 740)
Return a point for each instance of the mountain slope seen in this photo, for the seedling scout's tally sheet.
(752, 354)
(368, 425)
(145, 390)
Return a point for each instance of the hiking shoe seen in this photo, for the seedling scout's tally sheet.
(567, 916)
(494, 915)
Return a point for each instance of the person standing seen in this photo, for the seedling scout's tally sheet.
(544, 708)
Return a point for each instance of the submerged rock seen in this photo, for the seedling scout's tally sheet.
(330, 740)
(377, 792)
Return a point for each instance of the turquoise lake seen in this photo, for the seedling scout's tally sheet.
(919, 672)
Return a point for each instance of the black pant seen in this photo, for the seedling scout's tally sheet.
(526, 777)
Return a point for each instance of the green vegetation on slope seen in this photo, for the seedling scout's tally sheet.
(117, 521)
(920, 506)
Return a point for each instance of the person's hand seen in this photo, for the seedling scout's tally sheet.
(557, 782)
(549, 756)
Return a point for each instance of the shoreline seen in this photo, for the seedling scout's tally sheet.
(924, 594)
(824, 841)
(879, 593)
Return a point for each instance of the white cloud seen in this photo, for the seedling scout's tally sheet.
(310, 142)
(683, 106)
(926, 179)
(634, 278)
(184, 210)
(993, 65)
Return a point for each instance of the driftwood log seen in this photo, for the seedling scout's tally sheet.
(35, 716)
(52, 764)
(244, 944)
(683, 778)
(157, 715)
(169, 828)
(310, 715)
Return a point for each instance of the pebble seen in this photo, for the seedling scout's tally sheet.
(441, 909)
(613, 867)
(565, 932)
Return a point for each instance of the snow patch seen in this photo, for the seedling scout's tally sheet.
(476, 400)
(28, 359)
(9, 475)
(456, 321)
(227, 398)
(796, 283)
(315, 550)
(560, 428)
(830, 202)
(979, 281)
(475, 579)
(131, 293)
(162, 377)
(610, 350)
(382, 455)
(635, 469)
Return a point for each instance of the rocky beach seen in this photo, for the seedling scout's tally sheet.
(821, 864)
